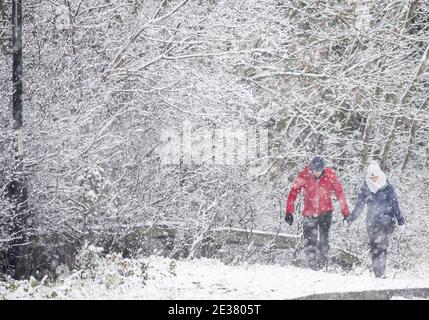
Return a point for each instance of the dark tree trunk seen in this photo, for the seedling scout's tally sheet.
(16, 189)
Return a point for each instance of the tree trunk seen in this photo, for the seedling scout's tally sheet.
(404, 100)
(365, 142)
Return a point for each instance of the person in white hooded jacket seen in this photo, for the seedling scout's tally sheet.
(383, 210)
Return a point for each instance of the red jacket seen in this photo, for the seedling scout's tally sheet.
(317, 193)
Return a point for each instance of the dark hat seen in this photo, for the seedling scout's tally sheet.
(317, 164)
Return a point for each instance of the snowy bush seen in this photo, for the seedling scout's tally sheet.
(110, 269)
(88, 261)
(93, 188)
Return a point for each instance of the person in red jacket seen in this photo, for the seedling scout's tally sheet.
(317, 182)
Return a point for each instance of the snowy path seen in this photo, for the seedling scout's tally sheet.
(206, 279)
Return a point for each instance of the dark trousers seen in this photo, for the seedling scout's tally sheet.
(379, 236)
(316, 239)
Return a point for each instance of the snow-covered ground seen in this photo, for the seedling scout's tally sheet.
(163, 278)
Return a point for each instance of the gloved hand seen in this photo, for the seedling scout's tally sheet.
(347, 222)
(401, 228)
(289, 218)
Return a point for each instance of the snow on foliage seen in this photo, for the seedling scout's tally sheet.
(104, 79)
(114, 277)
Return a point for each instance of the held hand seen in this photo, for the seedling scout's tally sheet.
(347, 222)
(289, 218)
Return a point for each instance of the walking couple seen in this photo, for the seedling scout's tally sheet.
(317, 182)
